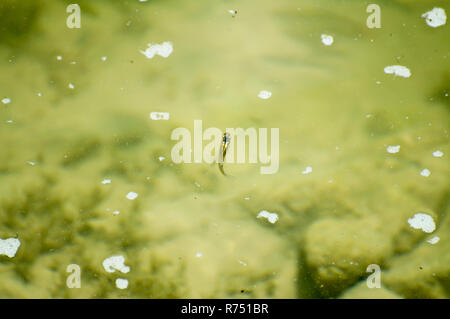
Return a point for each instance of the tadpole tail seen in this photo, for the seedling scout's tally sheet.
(221, 169)
(222, 159)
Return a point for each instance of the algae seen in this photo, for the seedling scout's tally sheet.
(191, 233)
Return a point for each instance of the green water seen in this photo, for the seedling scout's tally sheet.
(191, 232)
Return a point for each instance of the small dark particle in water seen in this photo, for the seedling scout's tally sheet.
(420, 267)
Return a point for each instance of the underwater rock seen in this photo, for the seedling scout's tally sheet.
(361, 291)
(339, 258)
(424, 271)
(17, 20)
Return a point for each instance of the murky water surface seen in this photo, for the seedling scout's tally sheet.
(358, 192)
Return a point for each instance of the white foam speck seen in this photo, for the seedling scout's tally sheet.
(243, 263)
(59, 58)
(393, 149)
(114, 263)
(132, 195)
(9, 246)
(122, 283)
(161, 158)
(116, 212)
(106, 181)
(435, 18)
(71, 86)
(199, 254)
(6, 100)
(425, 172)
(165, 49)
(104, 58)
(264, 94)
(271, 217)
(159, 116)
(438, 153)
(434, 240)
(422, 221)
(31, 163)
(327, 39)
(307, 170)
(398, 70)
(232, 12)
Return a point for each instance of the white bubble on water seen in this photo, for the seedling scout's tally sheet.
(425, 172)
(165, 49)
(422, 221)
(327, 39)
(122, 283)
(114, 263)
(271, 217)
(243, 263)
(264, 94)
(9, 246)
(434, 240)
(393, 149)
(435, 17)
(438, 153)
(232, 12)
(6, 100)
(132, 195)
(398, 70)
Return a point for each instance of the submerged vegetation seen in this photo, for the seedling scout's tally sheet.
(361, 151)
